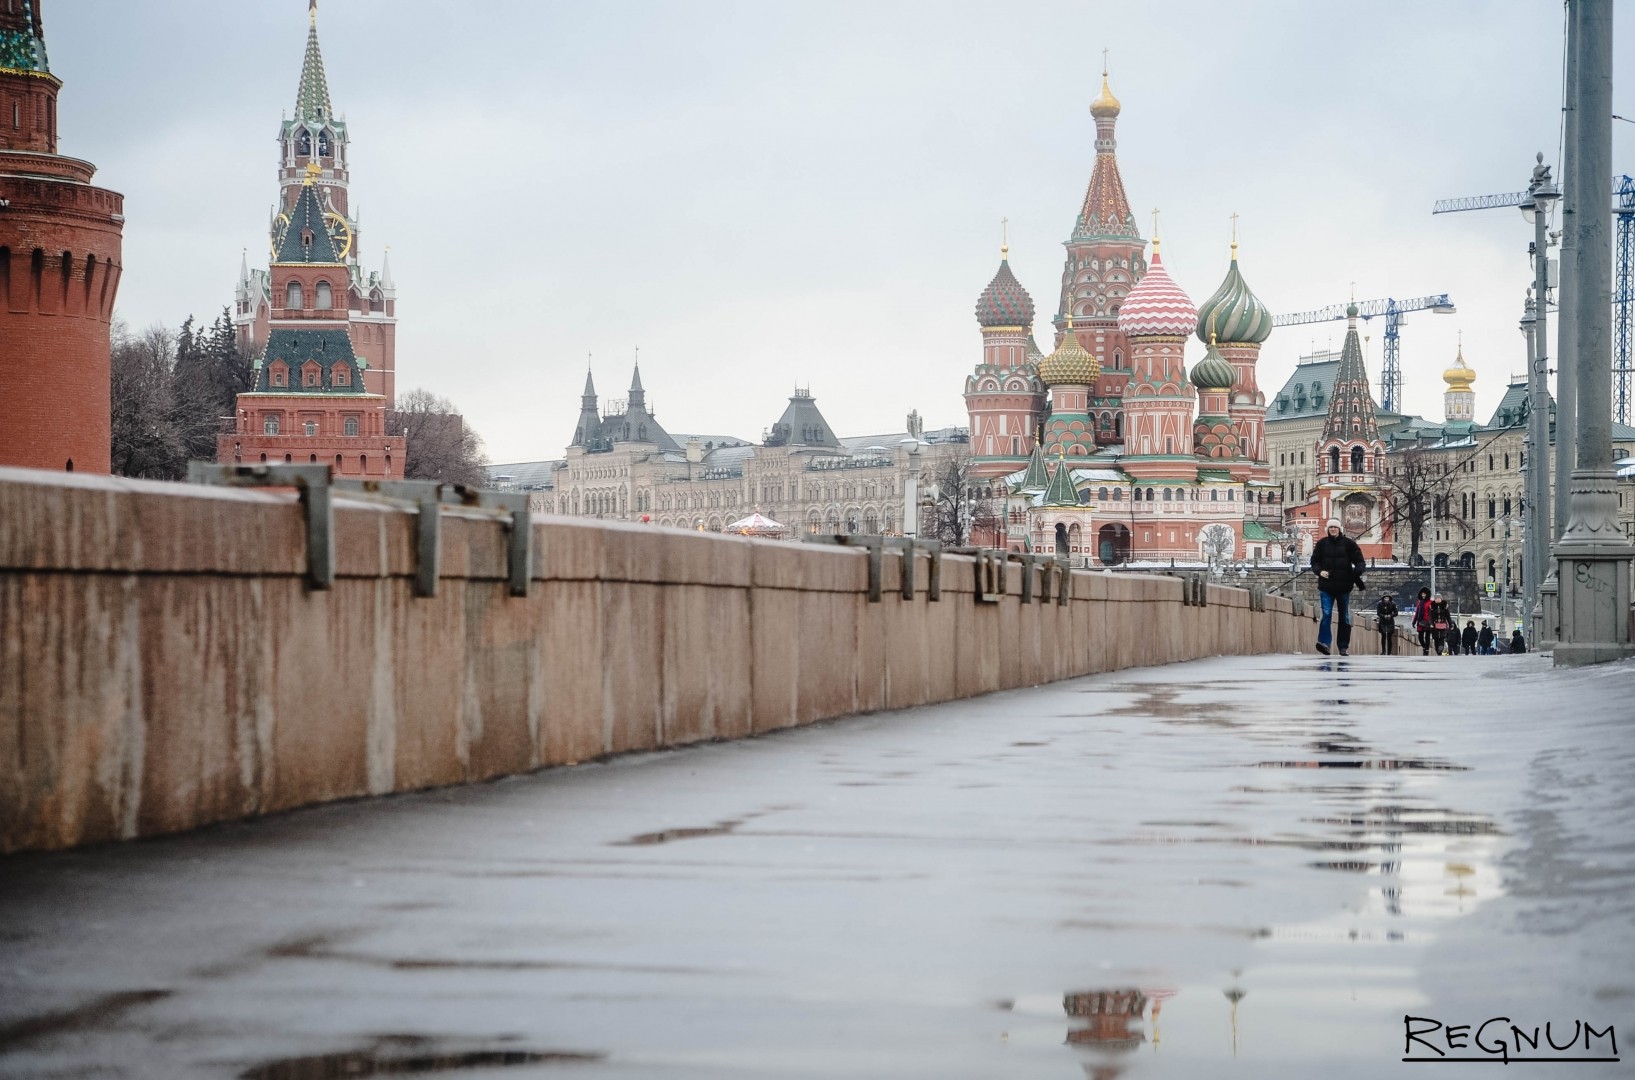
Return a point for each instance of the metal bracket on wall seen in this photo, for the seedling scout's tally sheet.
(990, 572)
(1049, 569)
(875, 545)
(315, 485)
(909, 546)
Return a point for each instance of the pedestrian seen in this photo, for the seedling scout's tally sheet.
(1386, 615)
(1443, 631)
(1517, 644)
(1468, 638)
(1338, 563)
(1422, 621)
(1484, 639)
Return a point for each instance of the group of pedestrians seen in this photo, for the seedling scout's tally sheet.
(1438, 629)
(1338, 563)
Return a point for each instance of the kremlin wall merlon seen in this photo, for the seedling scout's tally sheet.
(60, 241)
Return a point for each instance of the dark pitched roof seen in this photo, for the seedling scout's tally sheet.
(1352, 412)
(1306, 393)
(306, 238)
(802, 425)
(330, 348)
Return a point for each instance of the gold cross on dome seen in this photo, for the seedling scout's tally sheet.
(1234, 230)
(1104, 63)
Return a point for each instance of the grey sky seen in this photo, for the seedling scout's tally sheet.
(767, 194)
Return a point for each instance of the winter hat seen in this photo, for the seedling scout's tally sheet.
(1333, 523)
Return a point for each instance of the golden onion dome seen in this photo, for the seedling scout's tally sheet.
(1070, 364)
(1106, 104)
(1459, 376)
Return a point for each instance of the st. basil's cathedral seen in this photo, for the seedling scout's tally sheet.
(1108, 450)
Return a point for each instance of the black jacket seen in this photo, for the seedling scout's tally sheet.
(1469, 637)
(1343, 560)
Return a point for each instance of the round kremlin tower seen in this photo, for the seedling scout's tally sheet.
(60, 242)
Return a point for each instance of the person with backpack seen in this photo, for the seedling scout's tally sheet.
(1443, 632)
(1422, 621)
(1338, 563)
(1386, 616)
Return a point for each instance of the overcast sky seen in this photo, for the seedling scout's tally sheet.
(769, 194)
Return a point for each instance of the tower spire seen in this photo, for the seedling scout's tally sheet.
(312, 96)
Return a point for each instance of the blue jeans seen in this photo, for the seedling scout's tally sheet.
(1345, 619)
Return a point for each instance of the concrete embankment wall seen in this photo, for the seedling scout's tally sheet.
(164, 663)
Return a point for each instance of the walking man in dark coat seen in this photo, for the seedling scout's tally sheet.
(1338, 563)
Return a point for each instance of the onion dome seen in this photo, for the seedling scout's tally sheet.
(1156, 307)
(1234, 315)
(1004, 302)
(1106, 104)
(1213, 372)
(1070, 364)
(1459, 376)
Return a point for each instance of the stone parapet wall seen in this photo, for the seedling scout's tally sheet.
(164, 663)
(1457, 584)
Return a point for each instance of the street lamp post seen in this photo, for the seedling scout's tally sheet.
(1542, 195)
(1533, 468)
(1593, 555)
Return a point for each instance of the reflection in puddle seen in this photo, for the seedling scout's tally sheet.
(411, 1055)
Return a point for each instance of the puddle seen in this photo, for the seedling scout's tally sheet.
(665, 836)
(94, 1013)
(406, 1056)
(1370, 763)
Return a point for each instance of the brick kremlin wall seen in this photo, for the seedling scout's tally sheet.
(164, 663)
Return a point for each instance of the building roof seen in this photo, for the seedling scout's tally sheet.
(1157, 306)
(1254, 530)
(1352, 414)
(329, 348)
(306, 237)
(1060, 491)
(1105, 213)
(312, 96)
(525, 475)
(1004, 302)
(802, 425)
(1234, 315)
(1307, 391)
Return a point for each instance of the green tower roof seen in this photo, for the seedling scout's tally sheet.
(1061, 491)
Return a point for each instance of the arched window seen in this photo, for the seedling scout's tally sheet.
(1101, 493)
(310, 428)
(342, 376)
(269, 424)
(363, 463)
(351, 426)
(292, 296)
(323, 143)
(303, 144)
(323, 297)
(1356, 459)
(1118, 494)
(1334, 459)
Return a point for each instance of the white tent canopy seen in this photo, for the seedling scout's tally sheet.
(757, 524)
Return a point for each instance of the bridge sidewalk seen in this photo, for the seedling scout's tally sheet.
(1237, 867)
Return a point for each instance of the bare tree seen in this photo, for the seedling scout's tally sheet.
(145, 439)
(1219, 542)
(440, 444)
(1419, 489)
(959, 507)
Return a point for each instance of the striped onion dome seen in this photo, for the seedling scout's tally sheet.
(1234, 314)
(1213, 372)
(1004, 302)
(1156, 307)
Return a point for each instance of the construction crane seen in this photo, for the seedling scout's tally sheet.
(1623, 280)
(1395, 312)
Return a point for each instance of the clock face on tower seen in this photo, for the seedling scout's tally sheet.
(341, 232)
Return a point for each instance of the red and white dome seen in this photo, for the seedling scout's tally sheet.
(1157, 307)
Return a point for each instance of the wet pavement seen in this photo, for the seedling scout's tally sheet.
(1230, 868)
